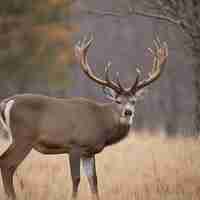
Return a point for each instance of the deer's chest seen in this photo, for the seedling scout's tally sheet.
(117, 134)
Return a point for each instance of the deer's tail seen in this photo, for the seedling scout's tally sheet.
(5, 107)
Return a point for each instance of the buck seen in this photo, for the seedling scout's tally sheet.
(76, 126)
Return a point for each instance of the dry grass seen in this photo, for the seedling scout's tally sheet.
(140, 168)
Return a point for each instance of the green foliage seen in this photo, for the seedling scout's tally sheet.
(35, 42)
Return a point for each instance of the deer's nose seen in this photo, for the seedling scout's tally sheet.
(128, 112)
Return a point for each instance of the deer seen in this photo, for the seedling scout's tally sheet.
(76, 126)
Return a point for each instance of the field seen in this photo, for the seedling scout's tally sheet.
(141, 167)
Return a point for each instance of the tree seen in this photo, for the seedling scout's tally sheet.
(186, 15)
(35, 43)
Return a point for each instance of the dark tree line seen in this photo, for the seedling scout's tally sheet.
(34, 44)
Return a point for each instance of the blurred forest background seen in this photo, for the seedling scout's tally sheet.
(36, 53)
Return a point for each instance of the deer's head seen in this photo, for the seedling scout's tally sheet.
(125, 98)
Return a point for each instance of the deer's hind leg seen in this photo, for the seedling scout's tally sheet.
(9, 161)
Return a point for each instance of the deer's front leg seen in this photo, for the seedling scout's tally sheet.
(74, 160)
(90, 171)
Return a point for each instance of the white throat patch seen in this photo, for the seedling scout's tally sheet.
(131, 119)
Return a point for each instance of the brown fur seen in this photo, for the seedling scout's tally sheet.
(55, 125)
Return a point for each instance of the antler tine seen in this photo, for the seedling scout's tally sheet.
(107, 78)
(107, 70)
(86, 43)
(160, 56)
(119, 82)
(134, 86)
(81, 50)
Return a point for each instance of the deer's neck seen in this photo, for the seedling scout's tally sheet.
(120, 128)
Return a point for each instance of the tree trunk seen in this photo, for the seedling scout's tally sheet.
(196, 68)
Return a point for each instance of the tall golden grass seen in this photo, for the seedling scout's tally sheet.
(139, 168)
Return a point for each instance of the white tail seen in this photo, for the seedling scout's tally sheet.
(5, 108)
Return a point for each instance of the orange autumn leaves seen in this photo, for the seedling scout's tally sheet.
(35, 41)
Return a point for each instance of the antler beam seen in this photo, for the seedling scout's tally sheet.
(81, 50)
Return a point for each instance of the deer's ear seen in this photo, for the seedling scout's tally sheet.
(109, 93)
(141, 94)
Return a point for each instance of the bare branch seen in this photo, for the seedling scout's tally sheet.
(157, 16)
(179, 22)
(133, 12)
(105, 13)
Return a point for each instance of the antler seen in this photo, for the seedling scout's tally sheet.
(160, 56)
(81, 50)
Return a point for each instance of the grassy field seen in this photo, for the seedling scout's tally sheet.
(139, 168)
